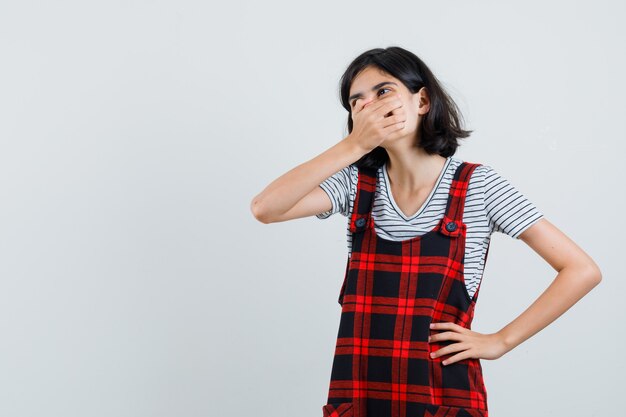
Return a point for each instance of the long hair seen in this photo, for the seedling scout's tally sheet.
(439, 129)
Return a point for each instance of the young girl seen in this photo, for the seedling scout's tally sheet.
(419, 227)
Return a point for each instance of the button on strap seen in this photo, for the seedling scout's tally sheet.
(359, 223)
(451, 227)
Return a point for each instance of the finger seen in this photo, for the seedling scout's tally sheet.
(447, 326)
(456, 358)
(387, 104)
(396, 112)
(448, 350)
(361, 105)
(388, 107)
(393, 131)
(393, 120)
(449, 335)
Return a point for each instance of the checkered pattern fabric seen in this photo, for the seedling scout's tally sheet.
(391, 292)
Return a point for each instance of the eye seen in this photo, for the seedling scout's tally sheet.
(382, 89)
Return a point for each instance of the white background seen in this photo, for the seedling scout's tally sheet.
(134, 280)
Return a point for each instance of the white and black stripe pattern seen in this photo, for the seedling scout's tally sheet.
(492, 205)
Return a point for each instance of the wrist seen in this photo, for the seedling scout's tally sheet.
(506, 341)
(354, 147)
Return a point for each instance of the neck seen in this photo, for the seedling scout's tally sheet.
(411, 168)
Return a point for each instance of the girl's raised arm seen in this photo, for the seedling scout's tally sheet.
(296, 193)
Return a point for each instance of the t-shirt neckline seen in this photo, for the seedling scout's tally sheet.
(428, 199)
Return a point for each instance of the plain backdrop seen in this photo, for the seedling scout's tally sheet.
(134, 280)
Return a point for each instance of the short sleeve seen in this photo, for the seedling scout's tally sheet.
(507, 209)
(338, 188)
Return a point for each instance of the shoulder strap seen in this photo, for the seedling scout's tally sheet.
(452, 222)
(364, 199)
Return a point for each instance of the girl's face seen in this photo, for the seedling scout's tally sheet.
(371, 84)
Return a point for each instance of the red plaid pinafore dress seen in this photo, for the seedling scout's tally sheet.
(391, 292)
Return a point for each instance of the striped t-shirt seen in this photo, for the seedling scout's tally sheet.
(492, 205)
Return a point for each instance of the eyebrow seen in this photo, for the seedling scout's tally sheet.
(376, 87)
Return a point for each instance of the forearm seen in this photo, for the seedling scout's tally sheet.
(569, 286)
(285, 191)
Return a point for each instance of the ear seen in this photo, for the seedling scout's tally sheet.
(421, 100)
